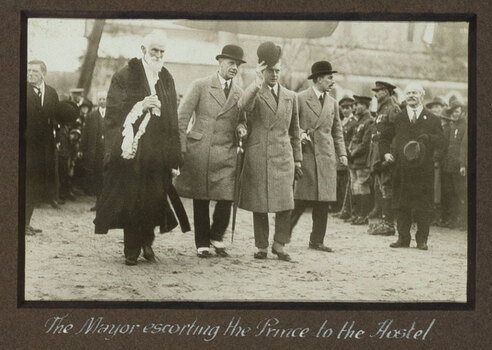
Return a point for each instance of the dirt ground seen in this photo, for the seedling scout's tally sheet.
(67, 261)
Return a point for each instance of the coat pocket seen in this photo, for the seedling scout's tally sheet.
(194, 135)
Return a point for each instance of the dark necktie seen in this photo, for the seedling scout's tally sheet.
(414, 118)
(322, 99)
(38, 92)
(274, 95)
(227, 88)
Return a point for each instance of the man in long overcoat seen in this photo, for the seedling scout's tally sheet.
(209, 149)
(141, 149)
(323, 147)
(381, 170)
(272, 154)
(413, 179)
(92, 148)
(41, 107)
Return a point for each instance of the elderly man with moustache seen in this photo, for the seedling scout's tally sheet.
(322, 139)
(416, 133)
(139, 160)
(209, 150)
(273, 152)
(41, 114)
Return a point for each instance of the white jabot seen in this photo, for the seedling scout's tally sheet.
(102, 111)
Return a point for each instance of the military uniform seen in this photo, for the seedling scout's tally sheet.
(360, 173)
(387, 110)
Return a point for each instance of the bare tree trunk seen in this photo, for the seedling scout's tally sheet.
(87, 69)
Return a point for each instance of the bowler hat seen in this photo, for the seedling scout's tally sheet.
(346, 100)
(436, 101)
(67, 112)
(269, 53)
(320, 68)
(384, 85)
(362, 99)
(414, 153)
(233, 52)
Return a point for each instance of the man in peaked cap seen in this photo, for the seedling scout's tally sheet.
(320, 128)
(386, 112)
(209, 150)
(358, 151)
(349, 120)
(273, 152)
(412, 185)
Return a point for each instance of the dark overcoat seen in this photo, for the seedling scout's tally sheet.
(413, 186)
(454, 132)
(209, 167)
(320, 157)
(41, 121)
(92, 147)
(273, 146)
(135, 190)
(359, 144)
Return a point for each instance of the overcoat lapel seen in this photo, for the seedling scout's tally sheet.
(216, 90)
(313, 103)
(282, 101)
(267, 96)
(326, 111)
(232, 99)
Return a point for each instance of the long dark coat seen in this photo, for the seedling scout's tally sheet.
(135, 191)
(273, 146)
(92, 147)
(413, 186)
(41, 177)
(319, 158)
(454, 132)
(209, 165)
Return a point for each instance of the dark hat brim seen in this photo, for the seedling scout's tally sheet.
(317, 74)
(230, 57)
(433, 103)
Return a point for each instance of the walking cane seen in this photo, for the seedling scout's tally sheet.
(239, 166)
(346, 199)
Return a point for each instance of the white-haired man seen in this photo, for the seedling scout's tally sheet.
(138, 162)
(415, 134)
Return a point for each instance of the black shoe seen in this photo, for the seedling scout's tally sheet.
(281, 256)
(71, 196)
(260, 255)
(320, 246)
(221, 252)
(344, 216)
(422, 246)
(400, 244)
(130, 260)
(61, 201)
(361, 221)
(204, 254)
(148, 253)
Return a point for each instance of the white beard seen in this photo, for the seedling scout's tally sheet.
(154, 64)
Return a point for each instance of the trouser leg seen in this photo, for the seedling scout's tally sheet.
(423, 219)
(404, 223)
(320, 218)
(201, 222)
(146, 236)
(261, 230)
(131, 241)
(282, 227)
(366, 204)
(221, 217)
(299, 208)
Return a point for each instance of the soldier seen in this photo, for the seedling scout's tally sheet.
(346, 106)
(360, 174)
(386, 112)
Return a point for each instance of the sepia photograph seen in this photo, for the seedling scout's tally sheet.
(191, 160)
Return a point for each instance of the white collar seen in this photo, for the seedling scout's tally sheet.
(274, 88)
(410, 111)
(317, 92)
(102, 111)
(223, 81)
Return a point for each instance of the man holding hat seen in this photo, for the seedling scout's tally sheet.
(360, 174)
(322, 137)
(386, 113)
(416, 134)
(273, 152)
(209, 149)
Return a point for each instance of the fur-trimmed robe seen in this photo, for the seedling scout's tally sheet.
(135, 190)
